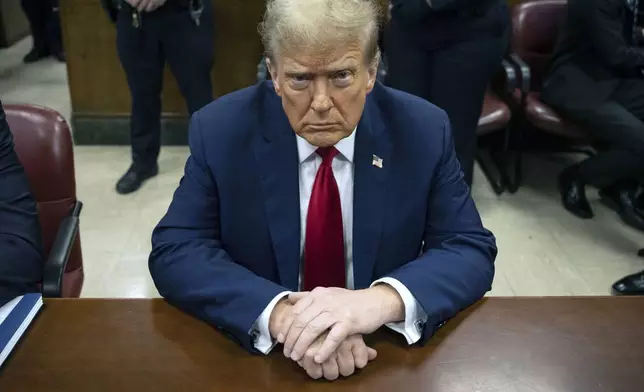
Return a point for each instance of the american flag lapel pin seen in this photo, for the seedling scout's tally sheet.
(377, 161)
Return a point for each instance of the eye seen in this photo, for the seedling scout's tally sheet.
(342, 78)
(299, 81)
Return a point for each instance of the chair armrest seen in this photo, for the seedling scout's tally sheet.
(504, 82)
(54, 270)
(524, 72)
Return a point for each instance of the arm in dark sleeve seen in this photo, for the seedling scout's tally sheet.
(456, 268)
(21, 261)
(189, 266)
(602, 21)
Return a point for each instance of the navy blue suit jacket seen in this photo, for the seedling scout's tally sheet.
(21, 261)
(230, 240)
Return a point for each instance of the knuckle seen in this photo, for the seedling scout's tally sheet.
(299, 324)
(313, 327)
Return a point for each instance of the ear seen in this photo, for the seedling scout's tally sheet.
(272, 69)
(373, 74)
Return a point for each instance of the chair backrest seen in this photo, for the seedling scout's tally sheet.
(44, 146)
(535, 26)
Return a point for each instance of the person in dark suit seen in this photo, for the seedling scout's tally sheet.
(20, 240)
(44, 21)
(149, 34)
(595, 80)
(319, 206)
(446, 51)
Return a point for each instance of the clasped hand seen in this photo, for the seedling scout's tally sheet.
(325, 327)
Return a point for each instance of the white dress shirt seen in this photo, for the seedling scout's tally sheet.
(342, 167)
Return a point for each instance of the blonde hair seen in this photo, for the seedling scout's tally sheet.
(295, 25)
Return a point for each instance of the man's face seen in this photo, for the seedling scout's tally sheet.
(324, 93)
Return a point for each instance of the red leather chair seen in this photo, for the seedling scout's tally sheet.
(535, 29)
(44, 146)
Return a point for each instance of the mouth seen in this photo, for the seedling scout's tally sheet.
(322, 126)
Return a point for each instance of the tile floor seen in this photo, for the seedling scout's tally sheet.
(544, 251)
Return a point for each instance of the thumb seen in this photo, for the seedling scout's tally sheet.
(371, 353)
(294, 297)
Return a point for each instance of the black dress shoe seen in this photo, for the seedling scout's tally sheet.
(35, 54)
(573, 194)
(134, 178)
(630, 285)
(622, 201)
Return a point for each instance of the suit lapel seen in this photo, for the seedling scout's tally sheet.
(278, 165)
(369, 192)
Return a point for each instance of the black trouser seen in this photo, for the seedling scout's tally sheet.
(167, 34)
(453, 78)
(44, 21)
(618, 125)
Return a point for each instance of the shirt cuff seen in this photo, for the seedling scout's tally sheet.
(415, 317)
(259, 331)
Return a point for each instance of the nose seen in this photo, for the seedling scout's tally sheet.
(321, 98)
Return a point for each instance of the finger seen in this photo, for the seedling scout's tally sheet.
(143, 5)
(337, 335)
(330, 369)
(345, 360)
(295, 297)
(297, 309)
(360, 355)
(371, 353)
(152, 5)
(301, 321)
(313, 330)
(314, 370)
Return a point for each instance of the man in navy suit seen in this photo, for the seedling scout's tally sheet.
(321, 206)
(20, 249)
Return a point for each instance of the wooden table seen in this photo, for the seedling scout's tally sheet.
(553, 344)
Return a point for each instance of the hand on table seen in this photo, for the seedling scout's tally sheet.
(352, 354)
(334, 314)
(146, 5)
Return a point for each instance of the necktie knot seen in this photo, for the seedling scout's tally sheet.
(327, 154)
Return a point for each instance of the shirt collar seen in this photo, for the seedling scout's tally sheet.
(345, 146)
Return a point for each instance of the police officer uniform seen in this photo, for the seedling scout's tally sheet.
(446, 51)
(44, 22)
(180, 33)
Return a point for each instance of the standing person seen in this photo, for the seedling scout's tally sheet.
(44, 21)
(149, 33)
(595, 80)
(446, 51)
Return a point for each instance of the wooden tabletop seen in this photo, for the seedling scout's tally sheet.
(513, 344)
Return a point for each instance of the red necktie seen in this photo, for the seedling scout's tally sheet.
(324, 244)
